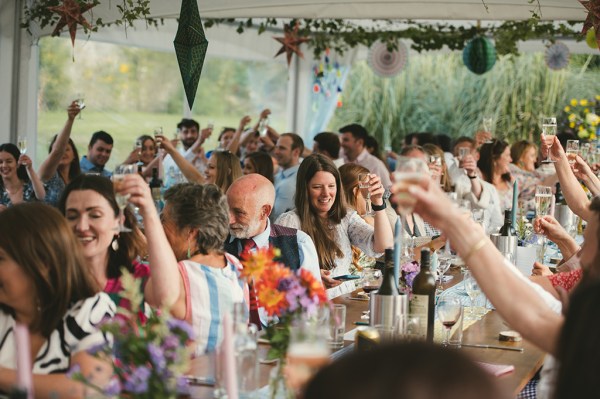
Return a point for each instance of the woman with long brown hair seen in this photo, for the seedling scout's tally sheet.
(321, 212)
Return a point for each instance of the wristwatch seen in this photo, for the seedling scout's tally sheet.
(379, 207)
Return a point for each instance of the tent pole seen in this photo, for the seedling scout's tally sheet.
(16, 69)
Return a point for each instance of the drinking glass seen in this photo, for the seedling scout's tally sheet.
(543, 200)
(80, 103)
(572, 150)
(117, 178)
(549, 131)
(337, 326)
(478, 215)
(448, 311)
(308, 352)
(409, 172)
(138, 148)
(488, 126)
(437, 161)
(364, 185)
(371, 279)
(22, 144)
(463, 152)
(442, 267)
(585, 150)
(263, 126)
(472, 289)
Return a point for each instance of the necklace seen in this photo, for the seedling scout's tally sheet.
(11, 193)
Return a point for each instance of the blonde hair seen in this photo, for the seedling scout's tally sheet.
(228, 169)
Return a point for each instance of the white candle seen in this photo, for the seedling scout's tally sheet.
(227, 350)
(24, 378)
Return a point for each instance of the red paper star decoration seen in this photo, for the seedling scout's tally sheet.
(70, 15)
(593, 17)
(291, 42)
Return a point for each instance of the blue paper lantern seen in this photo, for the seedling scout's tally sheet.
(479, 55)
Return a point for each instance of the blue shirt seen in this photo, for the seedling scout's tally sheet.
(88, 167)
(285, 189)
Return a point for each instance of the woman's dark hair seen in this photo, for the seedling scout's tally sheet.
(263, 164)
(313, 225)
(38, 238)
(225, 130)
(488, 155)
(518, 149)
(372, 146)
(203, 207)
(578, 347)
(132, 244)
(14, 151)
(403, 371)
(74, 168)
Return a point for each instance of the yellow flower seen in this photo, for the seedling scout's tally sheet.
(572, 125)
(574, 102)
(587, 110)
(581, 128)
(572, 117)
(597, 97)
(567, 109)
(593, 136)
(583, 102)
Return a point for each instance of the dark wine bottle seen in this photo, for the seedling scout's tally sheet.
(507, 229)
(422, 304)
(155, 188)
(559, 197)
(383, 302)
(389, 286)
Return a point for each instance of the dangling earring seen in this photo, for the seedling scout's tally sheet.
(189, 252)
(115, 244)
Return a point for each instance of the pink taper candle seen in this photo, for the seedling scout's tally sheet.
(24, 378)
(230, 372)
(552, 206)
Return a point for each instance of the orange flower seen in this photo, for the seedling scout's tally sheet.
(313, 285)
(256, 263)
(272, 300)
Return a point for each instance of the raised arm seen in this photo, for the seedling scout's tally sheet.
(234, 144)
(574, 195)
(583, 172)
(38, 186)
(383, 235)
(163, 287)
(188, 170)
(516, 300)
(50, 164)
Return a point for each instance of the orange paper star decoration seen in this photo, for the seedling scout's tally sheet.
(70, 15)
(593, 17)
(291, 42)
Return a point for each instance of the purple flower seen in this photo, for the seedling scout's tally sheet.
(182, 326)
(74, 370)
(411, 267)
(183, 387)
(138, 380)
(157, 357)
(170, 342)
(285, 284)
(113, 388)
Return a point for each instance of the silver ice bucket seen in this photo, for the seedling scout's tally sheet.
(386, 309)
(564, 215)
(507, 245)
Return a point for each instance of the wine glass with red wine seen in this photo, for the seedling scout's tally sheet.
(371, 280)
(448, 311)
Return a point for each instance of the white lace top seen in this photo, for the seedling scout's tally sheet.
(352, 230)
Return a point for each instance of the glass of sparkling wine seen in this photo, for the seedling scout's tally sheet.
(488, 126)
(364, 185)
(22, 144)
(80, 103)
(549, 131)
(472, 289)
(117, 178)
(308, 351)
(572, 150)
(448, 312)
(543, 200)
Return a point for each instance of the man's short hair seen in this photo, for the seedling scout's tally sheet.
(297, 141)
(188, 123)
(357, 131)
(101, 135)
(464, 139)
(329, 142)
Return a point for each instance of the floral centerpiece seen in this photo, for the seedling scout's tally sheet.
(408, 272)
(285, 295)
(581, 117)
(149, 356)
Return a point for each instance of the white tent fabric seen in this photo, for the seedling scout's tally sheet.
(19, 54)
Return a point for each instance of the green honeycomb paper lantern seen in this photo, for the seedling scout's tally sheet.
(479, 55)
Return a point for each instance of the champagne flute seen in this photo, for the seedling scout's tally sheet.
(549, 131)
(138, 148)
(117, 178)
(572, 150)
(22, 144)
(543, 200)
(436, 160)
(364, 185)
(263, 126)
(409, 172)
(488, 125)
(80, 103)
(448, 312)
(585, 151)
(472, 289)
(463, 152)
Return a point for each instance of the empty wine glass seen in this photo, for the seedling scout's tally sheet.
(548, 131)
(448, 311)
(117, 178)
(442, 267)
(22, 144)
(364, 185)
(572, 150)
(488, 126)
(472, 289)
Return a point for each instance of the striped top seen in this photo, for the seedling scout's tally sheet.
(77, 332)
(210, 292)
